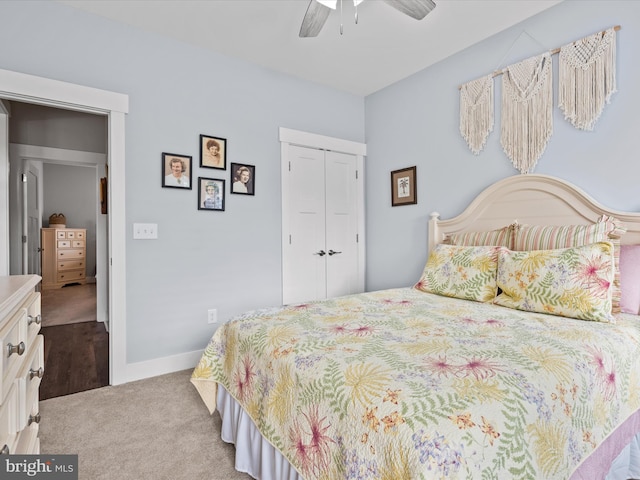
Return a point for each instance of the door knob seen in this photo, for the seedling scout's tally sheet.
(332, 252)
(322, 253)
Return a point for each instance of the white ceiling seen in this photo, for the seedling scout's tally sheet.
(384, 47)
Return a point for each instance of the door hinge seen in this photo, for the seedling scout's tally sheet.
(24, 178)
(356, 174)
(289, 166)
(289, 239)
(24, 239)
(357, 238)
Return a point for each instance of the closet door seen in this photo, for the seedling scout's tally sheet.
(320, 249)
(341, 224)
(304, 271)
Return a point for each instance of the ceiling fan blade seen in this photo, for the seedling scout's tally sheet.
(314, 19)
(417, 9)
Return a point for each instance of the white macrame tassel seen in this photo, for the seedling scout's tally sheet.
(587, 78)
(527, 111)
(476, 112)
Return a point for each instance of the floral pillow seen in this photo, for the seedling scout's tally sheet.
(462, 272)
(547, 237)
(571, 282)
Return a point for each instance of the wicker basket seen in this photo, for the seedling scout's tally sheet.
(57, 220)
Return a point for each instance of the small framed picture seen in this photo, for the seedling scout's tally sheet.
(176, 171)
(213, 152)
(210, 194)
(243, 178)
(403, 187)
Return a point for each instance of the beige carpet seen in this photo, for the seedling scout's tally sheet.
(69, 304)
(155, 429)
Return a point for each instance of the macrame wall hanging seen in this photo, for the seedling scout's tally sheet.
(476, 112)
(527, 111)
(587, 78)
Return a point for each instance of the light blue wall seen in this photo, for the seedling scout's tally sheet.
(226, 260)
(416, 122)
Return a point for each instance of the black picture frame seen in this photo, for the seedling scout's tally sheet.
(403, 187)
(207, 160)
(208, 199)
(169, 180)
(238, 184)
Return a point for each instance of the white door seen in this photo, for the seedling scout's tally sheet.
(320, 257)
(305, 271)
(32, 220)
(341, 224)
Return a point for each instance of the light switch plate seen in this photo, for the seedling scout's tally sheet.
(145, 231)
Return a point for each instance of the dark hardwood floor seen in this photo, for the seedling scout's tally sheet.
(76, 358)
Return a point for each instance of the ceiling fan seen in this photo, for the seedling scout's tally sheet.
(318, 12)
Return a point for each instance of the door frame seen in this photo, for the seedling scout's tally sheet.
(289, 137)
(19, 154)
(54, 93)
(5, 111)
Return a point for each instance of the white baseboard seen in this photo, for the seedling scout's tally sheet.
(160, 366)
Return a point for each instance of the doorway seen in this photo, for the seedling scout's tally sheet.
(114, 106)
(55, 179)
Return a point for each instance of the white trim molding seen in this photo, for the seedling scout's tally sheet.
(58, 94)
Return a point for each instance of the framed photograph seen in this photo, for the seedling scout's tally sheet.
(210, 194)
(176, 171)
(403, 187)
(243, 178)
(213, 152)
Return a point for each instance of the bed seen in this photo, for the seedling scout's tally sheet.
(509, 357)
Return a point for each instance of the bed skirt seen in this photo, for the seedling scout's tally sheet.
(258, 458)
(254, 455)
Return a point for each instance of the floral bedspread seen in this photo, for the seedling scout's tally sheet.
(401, 384)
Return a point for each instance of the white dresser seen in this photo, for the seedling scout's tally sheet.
(21, 364)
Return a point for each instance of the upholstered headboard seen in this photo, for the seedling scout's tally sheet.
(530, 199)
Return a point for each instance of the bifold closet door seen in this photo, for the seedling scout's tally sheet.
(320, 258)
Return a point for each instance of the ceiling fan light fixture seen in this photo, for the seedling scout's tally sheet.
(332, 4)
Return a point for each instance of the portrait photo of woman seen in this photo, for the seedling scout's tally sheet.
(213, 152)
(210, 194)
(176, 171)
(243, 178)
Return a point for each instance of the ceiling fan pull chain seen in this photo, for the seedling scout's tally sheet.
(355, 4)
(340, 17)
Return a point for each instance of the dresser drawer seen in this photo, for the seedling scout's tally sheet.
(28, 442)
(28, 381)
(13, 336)
(64, 243)
(70, 265)
(8, 424)
(71, 253)
(70, 276)
(77, 243)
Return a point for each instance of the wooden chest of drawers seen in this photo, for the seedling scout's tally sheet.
(21, 364)
(63, 256)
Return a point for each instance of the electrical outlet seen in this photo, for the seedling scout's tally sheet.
(212, 315)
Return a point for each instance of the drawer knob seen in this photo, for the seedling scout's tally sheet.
(19, 349)
(37, 319)
(34, 419)
(5, 450)
(36, 373)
